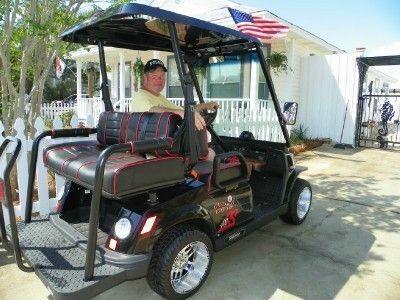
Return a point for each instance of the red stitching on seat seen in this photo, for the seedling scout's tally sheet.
(120, 128)
(141, 162)
(166, 134)
(94, 161)
(127, 127)
(158, 125)
(156, 132)
(137, 126)
(105, 128)
(72, 157)
(61, 147)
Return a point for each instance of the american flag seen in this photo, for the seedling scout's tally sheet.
(259, 27)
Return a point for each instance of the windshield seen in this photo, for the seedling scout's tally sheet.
(238, 84)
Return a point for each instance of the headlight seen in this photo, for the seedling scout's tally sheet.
(122, 228)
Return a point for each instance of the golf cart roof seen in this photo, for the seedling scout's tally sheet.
(141, 27)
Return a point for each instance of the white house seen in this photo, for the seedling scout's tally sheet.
(240, 80)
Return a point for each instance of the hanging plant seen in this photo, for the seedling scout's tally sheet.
(91, 70)
(138, 71)
(278, 62)
(200, 68)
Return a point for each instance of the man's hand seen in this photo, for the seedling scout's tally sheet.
(199, 121)
(212, 105)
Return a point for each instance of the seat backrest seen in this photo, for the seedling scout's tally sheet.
(120, 127)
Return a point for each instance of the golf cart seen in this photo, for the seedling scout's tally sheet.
(150, 196)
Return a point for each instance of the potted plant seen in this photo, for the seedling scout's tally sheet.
(278, 62)
(137, 70)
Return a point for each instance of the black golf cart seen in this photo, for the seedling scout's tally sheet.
(150, 197)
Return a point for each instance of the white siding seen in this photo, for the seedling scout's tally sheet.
(287, 86)
(329, 83)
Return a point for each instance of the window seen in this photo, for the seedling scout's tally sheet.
(263, 91)
(225, 78)
(174, 88)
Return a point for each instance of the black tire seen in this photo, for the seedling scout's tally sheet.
(164, 254)
(291, 215)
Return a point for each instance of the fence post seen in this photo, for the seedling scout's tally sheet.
(60, 181)
(41, 172)
(22, 167)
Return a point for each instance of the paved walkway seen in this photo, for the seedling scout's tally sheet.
(347, 248)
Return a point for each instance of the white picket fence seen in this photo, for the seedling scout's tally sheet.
(234, 116)
(51, 110)
(44, 205)
(238, 115)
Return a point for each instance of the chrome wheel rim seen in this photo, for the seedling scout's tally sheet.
(304, 203)
(189, 267)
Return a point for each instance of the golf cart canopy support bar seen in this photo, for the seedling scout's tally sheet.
(104, 84)
(271, 88)
(10, 205)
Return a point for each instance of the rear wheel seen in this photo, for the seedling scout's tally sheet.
(181, 263)
(299, 203)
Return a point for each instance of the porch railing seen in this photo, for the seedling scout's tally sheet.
(234, 117)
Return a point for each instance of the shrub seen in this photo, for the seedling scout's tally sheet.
(298, 135)
(66, 118)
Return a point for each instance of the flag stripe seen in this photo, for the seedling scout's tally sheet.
(258, 27)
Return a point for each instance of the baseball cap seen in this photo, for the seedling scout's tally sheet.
(153, 64)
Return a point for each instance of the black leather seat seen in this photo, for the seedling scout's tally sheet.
(230, 169)
(125, 173)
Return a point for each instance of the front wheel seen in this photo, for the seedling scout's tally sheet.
(181, 264)
(299, 203)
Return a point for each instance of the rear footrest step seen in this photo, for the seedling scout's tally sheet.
(60, 263)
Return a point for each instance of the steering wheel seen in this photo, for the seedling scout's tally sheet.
(209, 116)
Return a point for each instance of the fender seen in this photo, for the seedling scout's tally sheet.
(292, 179)
(186, 213)
(190, 212)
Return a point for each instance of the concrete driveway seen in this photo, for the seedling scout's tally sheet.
(347, 248)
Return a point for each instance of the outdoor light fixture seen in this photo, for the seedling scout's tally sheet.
(122, 228)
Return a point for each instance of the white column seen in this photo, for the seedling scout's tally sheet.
(254, 76)
(80, 104)
(121, 75)
(156, 54)
(114, 81)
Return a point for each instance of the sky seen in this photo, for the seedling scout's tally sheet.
(373, 24)
(347, 24)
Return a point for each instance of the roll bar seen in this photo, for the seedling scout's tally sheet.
(10, 205)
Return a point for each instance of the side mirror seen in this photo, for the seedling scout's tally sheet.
(290, 112)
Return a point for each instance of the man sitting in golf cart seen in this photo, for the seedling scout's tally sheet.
(149, 97)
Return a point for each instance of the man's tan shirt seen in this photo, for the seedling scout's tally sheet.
(144, 101)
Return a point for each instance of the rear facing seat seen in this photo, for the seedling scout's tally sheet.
(125, 173)
(131, 172)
